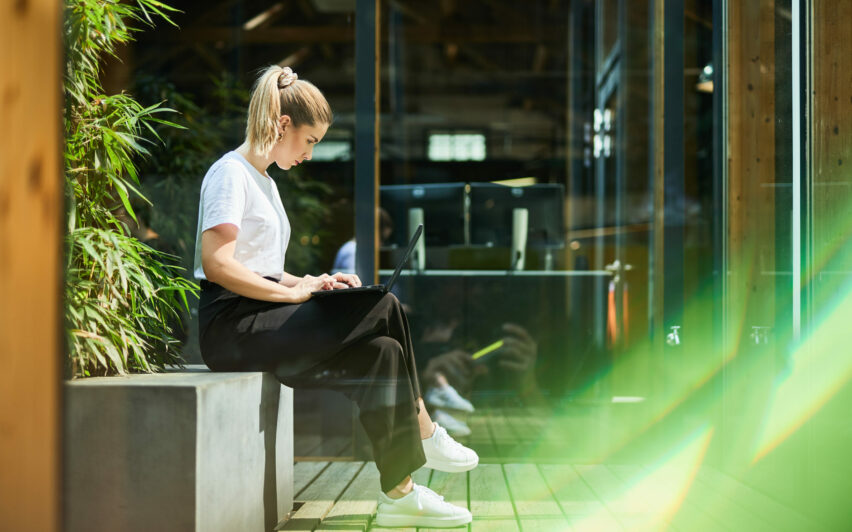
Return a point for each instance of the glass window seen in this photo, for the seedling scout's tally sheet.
(610, 210)
(456, 147)
(332, 150)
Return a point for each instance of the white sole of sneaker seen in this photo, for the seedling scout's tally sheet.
(451, 467)
(405, 521)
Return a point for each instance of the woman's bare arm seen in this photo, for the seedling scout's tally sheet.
(220, 267)
(289, 279)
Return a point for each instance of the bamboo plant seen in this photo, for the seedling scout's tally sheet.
(122, 296)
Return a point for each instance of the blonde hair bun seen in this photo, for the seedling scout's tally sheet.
(287, 78)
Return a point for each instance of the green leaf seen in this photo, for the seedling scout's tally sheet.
(122, 193)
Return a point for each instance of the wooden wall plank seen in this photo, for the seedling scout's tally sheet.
(828, 472)
(31, 213)
(751, 164)
(832, 151)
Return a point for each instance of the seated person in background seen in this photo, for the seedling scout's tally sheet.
(344, 261)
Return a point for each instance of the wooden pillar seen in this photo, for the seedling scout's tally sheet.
(31, 214)
(751, 165)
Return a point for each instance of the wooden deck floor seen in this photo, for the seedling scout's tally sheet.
(526, 482)
(554, 497)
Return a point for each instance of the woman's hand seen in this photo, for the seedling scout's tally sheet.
(309, 284)
(346, 280)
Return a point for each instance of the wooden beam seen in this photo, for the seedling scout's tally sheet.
(267, 17)
(31, 216)
(296, 57)
(343, 34)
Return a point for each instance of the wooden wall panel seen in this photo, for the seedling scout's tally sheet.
(30, 256)
(832, 127)
(751, 165)
(828, 437)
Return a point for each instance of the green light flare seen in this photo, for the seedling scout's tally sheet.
(700, 366)
(656, 496)
(821, 365)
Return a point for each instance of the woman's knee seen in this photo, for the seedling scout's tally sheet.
(388, 346)
(391, 297)
(390, 301)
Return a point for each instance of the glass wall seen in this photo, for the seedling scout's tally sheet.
(635, 216)
(475, 146)
(523, 140)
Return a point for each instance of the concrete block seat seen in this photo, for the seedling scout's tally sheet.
(178, 451)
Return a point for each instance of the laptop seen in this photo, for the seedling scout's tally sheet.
(378, 288)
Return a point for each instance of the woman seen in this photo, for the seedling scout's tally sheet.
(254, 316)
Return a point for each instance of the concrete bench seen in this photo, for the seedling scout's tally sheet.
(178, 451)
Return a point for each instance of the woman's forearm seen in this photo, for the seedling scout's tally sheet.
(289, 280)
(232, 275)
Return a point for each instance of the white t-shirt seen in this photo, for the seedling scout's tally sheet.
(234, 192)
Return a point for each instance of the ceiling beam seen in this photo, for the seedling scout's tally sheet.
(267, 17)
(340, 34)
(296, 57)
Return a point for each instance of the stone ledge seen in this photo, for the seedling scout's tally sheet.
(181, 450)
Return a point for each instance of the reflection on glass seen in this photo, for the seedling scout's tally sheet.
(534, 126)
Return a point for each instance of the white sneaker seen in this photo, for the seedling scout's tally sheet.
(447, 397)
(422, 507)
(446, 454)
(455, 427)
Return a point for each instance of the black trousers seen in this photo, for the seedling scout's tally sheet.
(358, 344)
